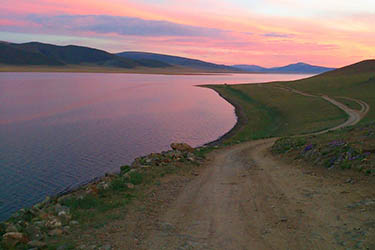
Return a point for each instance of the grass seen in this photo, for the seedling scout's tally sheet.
(265, 111)
(350, 103)
(355, 81)
(348, 148)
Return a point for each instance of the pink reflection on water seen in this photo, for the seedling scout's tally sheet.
(37, 95)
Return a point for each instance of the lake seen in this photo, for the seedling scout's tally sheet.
(61, 130)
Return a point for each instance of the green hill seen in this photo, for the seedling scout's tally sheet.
(271, 110)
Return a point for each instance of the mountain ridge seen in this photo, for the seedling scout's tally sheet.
(299, 67)
(36, 53)
(176, 60)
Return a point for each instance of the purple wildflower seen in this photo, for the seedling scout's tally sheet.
(308, 148)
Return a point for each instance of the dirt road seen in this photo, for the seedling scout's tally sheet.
(354, 116)
(247, 199)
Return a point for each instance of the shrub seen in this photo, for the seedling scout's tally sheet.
(286, 144)
(136, 178)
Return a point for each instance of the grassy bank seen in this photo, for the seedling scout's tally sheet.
(348, 148)
(266, 111)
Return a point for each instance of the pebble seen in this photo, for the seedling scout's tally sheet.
(55, 232)
(105, 247)
(37, 244)
(283, 219)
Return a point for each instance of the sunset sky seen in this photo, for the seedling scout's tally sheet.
(268, 33)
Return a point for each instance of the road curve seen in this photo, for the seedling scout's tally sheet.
(354, 116)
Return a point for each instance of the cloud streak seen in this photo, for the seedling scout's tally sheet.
(129, 26)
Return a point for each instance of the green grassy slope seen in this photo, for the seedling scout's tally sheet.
(355, 81)
(267, 111)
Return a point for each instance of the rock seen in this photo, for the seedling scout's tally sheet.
(183, 147)
(54, 223)
(11, 239)
(349, 180)
(191, 159)
(34, 232)
(37, 244)
(103, 185)
(64, 218)
(92, 190)
(55, 232)
(62, 210)
(283, 219)
(132, 171)
(74, 222)
(11, 228)
(130, 185)
(105, 247)
(66, 247)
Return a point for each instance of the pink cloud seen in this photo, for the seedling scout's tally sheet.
(223, 33)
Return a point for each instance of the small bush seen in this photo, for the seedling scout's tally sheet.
(118, 184)
(286, 144)
(124, 169)
(136, 178)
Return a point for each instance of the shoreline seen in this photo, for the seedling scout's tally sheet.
(238, 110)
(142, 71)
(146, 71)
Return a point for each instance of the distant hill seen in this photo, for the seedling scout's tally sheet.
(250, 68)
(34, 53)
(178, 61)
(292, 68)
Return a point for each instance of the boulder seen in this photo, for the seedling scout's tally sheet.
(53, 223)
(11, 239)
(56, 232)
(183, 147)
(11, 228)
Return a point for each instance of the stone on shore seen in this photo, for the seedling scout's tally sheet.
(36, 244)
(183, 147)
(13, 238)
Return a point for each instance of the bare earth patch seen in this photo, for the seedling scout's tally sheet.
(245, 198)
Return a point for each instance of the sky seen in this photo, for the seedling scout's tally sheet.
(268, 33)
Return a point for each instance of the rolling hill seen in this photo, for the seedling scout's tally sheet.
(291, 68)
(178, 61)
(34, 53)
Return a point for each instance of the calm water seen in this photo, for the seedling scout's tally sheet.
(60, 130)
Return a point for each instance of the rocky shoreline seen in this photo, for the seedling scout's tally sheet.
(30, 228)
